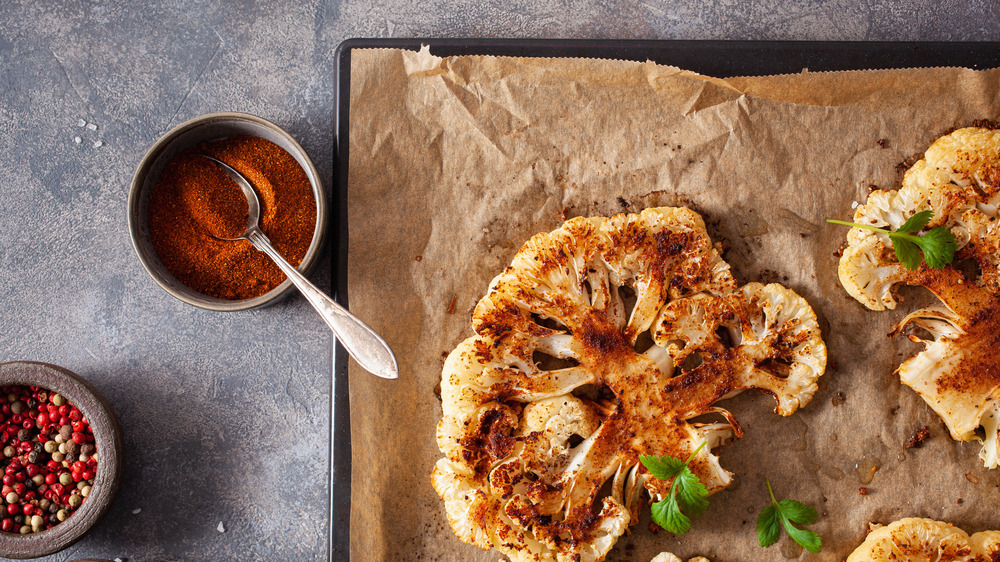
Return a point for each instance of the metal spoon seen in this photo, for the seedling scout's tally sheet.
(364, 345)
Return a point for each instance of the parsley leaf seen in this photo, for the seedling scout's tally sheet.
(687, 496)
(938, 244)
(916, 223)
(784, 514)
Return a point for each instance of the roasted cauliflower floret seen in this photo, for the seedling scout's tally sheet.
(603, 341)
(668, 557)
(916, 540)
(957, 373)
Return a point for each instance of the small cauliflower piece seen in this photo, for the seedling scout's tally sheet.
(577, 368)
(916, 540)
(668, 557)
(958, 372)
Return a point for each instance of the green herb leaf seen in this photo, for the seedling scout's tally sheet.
(916, 223)
(692, 495)
(784, 514)
(938, 244)
(663, 468)
(687, 496)
(907, 253)
(667, 514)
(797, 512)
(768, 526)
(809, 540)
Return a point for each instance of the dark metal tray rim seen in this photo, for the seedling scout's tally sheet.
(717, 58)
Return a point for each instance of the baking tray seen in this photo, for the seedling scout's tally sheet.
(714, 58)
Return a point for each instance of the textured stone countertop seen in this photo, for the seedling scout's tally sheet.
(226, 415)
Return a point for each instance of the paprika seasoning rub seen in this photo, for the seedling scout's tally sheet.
(194, 204)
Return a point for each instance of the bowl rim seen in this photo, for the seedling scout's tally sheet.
(159, 273)
(110, 466)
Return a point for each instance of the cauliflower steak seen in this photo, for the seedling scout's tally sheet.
(958, 372)
(917, 540)
(602, 341)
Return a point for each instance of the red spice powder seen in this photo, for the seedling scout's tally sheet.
(195, 203)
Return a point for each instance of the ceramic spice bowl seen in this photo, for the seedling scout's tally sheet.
(191, 135)
(110, 455)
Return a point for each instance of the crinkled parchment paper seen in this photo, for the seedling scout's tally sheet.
(456, 162)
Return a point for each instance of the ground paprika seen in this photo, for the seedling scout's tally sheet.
(194, 204)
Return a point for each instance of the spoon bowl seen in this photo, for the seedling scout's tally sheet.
(360, 341)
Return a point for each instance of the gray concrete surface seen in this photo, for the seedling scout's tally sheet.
(226, 415)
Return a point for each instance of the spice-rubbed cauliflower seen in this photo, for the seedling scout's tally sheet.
(916, 540)
(603, 341)
(958, 373)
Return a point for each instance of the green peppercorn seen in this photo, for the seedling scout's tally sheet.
(75, 501)
(57, 456)
(25, 529)
(12, 497)
(51, 446)
(85, 491)
(17, 407)
(62, 448)
(12, 397)
(44, 503)
(38, 479)
(65, 478)
(9, 451)
(62, 514)
(37, 522)
(58, 400)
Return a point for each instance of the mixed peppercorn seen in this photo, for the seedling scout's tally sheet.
(48, 457)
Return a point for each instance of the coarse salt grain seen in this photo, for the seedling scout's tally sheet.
(92, 126)
(854, 204)
(98, 144)
(136, 511)
(81, 123)
(77, 140)
(221, 527)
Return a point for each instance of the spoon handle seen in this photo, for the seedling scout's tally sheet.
(364, 345)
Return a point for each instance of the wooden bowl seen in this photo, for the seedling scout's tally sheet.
(110, 457)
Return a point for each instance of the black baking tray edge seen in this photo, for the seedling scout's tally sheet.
(713, 58)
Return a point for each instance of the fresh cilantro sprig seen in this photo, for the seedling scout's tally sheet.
(937, 244)
(783, 514)
(688, 497)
